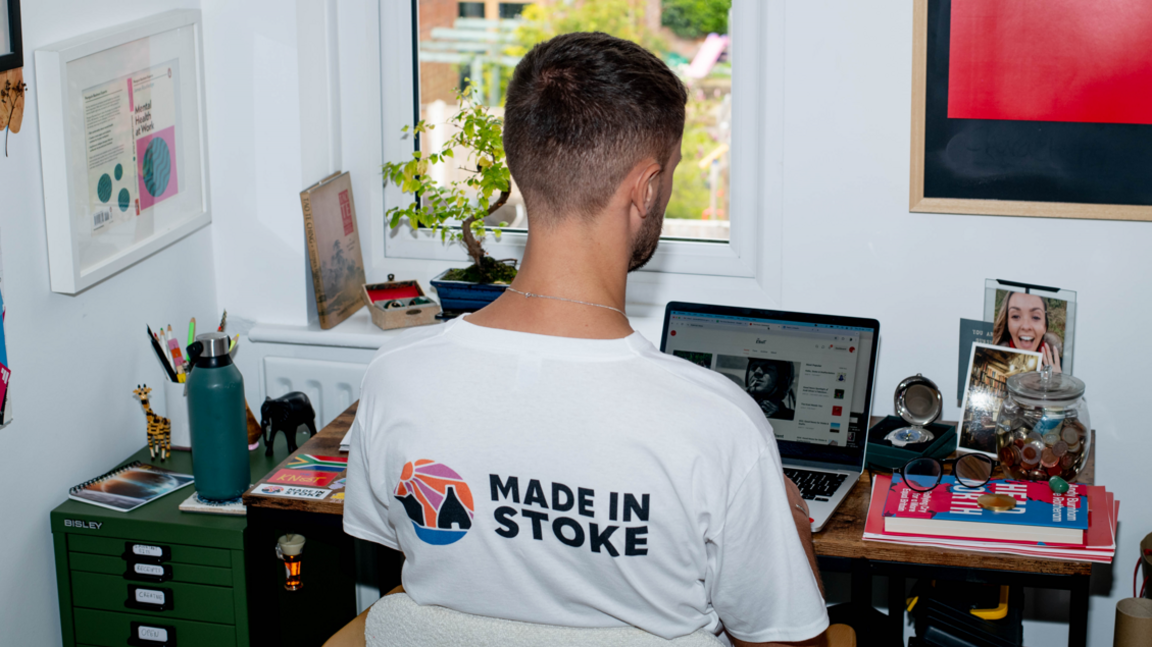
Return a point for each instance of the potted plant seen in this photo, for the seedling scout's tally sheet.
(468, 202)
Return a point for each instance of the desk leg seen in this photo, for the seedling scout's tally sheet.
(1078, 612)
(896, 607)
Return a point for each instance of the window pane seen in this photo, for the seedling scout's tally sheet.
(477, 44)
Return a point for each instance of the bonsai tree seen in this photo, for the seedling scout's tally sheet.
(469, 201)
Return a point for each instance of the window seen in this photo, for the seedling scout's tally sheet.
(458, 44)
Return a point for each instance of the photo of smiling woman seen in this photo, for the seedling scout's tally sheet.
(1031, 322)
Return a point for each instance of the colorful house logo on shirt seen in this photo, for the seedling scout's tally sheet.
(437, 500)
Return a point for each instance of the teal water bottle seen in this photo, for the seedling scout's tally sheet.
(217, 420)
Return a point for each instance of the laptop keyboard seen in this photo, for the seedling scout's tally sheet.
(815, 485)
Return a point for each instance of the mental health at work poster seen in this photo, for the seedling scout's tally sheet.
(130, 141)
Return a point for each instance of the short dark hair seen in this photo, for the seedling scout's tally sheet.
(582, 110)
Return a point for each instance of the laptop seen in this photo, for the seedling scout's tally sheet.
(812, 376)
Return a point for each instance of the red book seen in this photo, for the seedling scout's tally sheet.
(952, 510)
(1100, 542)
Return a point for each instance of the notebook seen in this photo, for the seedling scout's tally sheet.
(128, 487)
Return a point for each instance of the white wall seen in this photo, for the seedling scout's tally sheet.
(851, 246)
(74, 359)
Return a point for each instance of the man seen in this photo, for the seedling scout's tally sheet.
(540, 461)
(769, 382)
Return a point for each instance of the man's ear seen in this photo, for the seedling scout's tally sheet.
(646, 189)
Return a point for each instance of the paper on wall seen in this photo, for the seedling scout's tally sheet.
(108, 145)
(130, 144)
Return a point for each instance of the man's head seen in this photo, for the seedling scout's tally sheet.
(582, 111)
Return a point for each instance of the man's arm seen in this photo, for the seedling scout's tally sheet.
(804, 529)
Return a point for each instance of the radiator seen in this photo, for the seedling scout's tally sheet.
(331, 386)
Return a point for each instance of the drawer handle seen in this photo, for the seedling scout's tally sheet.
(144, 572)
(148, 553)
(149, 635)
(147, 598)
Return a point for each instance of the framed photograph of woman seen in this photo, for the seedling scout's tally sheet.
(988, 371)
(1034, 318)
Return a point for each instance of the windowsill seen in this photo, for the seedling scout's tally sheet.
(358, 331)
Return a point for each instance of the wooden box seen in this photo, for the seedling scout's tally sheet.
(378, 295)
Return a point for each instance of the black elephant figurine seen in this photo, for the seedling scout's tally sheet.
(286, 413)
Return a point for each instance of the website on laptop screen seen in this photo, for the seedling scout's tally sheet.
(809, 379)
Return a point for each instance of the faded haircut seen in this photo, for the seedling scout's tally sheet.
(582, 110)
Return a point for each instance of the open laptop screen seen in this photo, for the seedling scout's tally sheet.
(811, 375)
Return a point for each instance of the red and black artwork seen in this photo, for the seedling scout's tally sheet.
(1033, 107)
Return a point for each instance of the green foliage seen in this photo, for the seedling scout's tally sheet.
(696, 18)
(467, 202)
(690, 192)
(619, 18)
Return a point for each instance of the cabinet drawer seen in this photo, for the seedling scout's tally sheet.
(179, 553)
(111, 629)
(188, 601)
(190, 573)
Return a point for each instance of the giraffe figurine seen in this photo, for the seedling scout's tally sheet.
(159, 428)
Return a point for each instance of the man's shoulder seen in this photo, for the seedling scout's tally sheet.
(411, 340)
(699, 382)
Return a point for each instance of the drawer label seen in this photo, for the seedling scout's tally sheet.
(147, 551)
(154, 634)
(155, 570)
(150, 596)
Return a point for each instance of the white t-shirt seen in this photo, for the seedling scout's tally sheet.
(577, 482)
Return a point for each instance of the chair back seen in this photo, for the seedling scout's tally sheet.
(397, 621)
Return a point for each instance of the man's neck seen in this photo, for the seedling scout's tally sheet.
(571, 261)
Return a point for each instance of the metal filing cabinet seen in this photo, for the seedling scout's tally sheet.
(154, 576)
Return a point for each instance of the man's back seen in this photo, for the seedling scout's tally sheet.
(577, 482)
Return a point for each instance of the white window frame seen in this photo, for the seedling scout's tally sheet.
(754, 250)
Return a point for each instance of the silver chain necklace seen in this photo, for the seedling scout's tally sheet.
(583, 303)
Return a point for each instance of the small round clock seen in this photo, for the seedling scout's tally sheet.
(918, 403)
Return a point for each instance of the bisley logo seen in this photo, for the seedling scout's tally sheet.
(78, 523)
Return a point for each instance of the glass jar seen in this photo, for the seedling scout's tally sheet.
(1043, 429)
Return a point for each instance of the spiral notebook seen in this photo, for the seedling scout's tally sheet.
(130, 486)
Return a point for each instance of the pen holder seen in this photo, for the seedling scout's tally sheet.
(176, 410)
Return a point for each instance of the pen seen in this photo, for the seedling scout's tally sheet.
(191, 331)
(163, 339)
(223, 321)
(152, 339)
(232, 346)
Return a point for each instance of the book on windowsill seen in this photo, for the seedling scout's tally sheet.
(1099, 543)
(130, 486)
(952, 510)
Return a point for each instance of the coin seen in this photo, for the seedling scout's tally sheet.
(1051, 438)
(996, 502)
(1060, 448)
(1048, 458)
(1010, 455)
(1070, 435)
(1030, 454)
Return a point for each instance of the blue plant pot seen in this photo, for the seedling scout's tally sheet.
(465, 296)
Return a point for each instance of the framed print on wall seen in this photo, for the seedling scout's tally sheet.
(123, 145)
(11, 41)
(1032, 108)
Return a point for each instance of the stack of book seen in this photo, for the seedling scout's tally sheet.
(1079, 525)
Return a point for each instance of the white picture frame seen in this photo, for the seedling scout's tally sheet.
(127, 103)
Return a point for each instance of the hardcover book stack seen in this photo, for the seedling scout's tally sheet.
(1079, 525)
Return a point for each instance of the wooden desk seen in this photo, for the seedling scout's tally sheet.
(839, 547)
